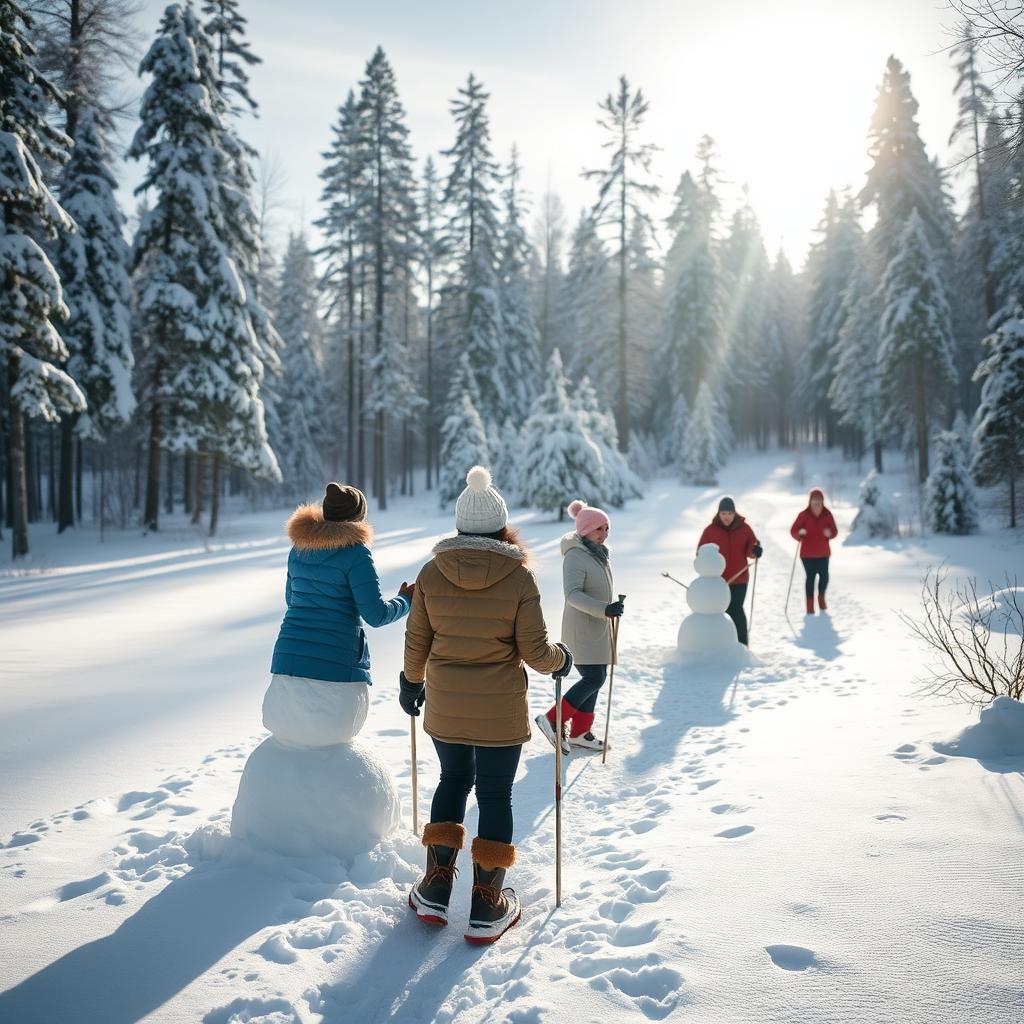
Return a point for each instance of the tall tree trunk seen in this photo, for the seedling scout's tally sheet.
(19, 497)
(79, 476)
(411, 446)
(360, 396)
(1013, 497)
(921, 417)
(214, 492)
(9, 466)
(103, 491)
(197, 490)
(5, 461)
(51, 475)
(169, 483)
(623, 416)
(33, 484)
(137, 486)
(151, 511)
(186, 483)
(878, 456)
(65, 488)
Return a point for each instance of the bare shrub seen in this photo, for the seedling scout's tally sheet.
(979, 641)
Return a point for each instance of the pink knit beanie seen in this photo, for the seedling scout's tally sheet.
(587, 518)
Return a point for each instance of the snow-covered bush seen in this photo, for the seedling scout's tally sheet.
(876, 517)
(950, 503)
(506, 456)
(618, 481)
(642, 456)
(979, 641)
(463, 444)
(706, 442)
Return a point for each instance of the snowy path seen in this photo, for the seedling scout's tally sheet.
(779, 844)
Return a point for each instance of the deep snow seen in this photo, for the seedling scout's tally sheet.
(778, 843)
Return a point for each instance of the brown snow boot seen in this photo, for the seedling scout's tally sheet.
(821, 602)
(494, 909)
(810, 605)
(430, 896)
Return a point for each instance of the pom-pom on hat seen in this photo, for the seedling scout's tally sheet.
(344, 504)
(480, 508)
(587, 518)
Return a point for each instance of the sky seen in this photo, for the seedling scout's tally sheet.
(786, 89)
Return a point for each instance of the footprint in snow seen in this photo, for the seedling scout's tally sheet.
(792, 958)
(889, 817)
(735, 833)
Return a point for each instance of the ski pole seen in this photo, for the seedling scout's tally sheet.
(753, 595)
(415, 787)
(746, 566)
(792, 573)
(611, 680)
(669, 576)
(558, 790)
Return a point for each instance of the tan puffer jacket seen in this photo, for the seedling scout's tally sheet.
(587, 583)
(475, 619)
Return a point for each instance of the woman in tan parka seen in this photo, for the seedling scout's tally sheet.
(586, 624)
(475, 619)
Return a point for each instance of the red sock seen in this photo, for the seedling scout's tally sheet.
(581, 723)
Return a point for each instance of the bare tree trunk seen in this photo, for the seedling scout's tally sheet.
(623, 416)
(186, 478)
(79, 475)
(19, 499)
(197, 492)
(169, 483)
(33, 475)
(921, 417)
(151, 512)
(360, 396)
(51, 475)
(214, 493)
(878, 456)
(65, 490)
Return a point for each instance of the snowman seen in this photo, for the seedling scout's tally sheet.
(310, 787)
(708, 630)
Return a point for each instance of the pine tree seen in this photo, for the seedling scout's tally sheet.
(618, 482)
(776, 355)
(622, 188)
(31, 299)
(299, 397)
(998, 438)
(950, 502)
(549, 231)
(433, 249)
(559, 456)
(585, 301)
(93, 265)
(226, 27)
(463, 445)
(875, 517)
(643, 326)
(521, 349)
(705, 447)
(507, 455)
(473, 310)
(673, 440)
(915, 355)
(205, 360)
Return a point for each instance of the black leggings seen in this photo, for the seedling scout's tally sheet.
(815, 567)
(491, 770)
(582, 695)
(737, 595)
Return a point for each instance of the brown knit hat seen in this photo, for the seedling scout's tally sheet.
(344, 504)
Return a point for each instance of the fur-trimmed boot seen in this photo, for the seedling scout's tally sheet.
(494, 909)
(821, 602)
(430, 895)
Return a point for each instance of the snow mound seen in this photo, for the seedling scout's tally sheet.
(314, 713)
(337, 800)
(998, 735)
(1002, 606)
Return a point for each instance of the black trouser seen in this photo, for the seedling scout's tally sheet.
(815, 567)
(491, 770)
(737, 595)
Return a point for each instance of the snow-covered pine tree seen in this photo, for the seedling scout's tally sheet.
(695, 314)
(622, 188)
(915, 354)
(432, 251)
(585, 301)
(390, 236)
(462, 380)
(875, 517)
(998, 437)
(704, 447)
(472, 306)
(642, 456)
(345, 200)
(776, 353)
(299, 395)
(618, 482)
(672, 451)
(830, 266)
(506, 458)
(205, 360)
(559, 456)
(949, 499)
(643, 325)
(463, 445)
(855, 388)
(31, 300)
(93, 265)
(549, 233)
(521, 349)
(233, 54)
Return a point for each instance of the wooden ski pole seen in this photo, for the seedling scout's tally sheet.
(753, 595)
(735, 575)
(558, 790)
(792, 573)
(611, 680)
(415, 786)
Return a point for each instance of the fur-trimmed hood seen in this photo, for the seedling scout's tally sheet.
(309, 531)
(474, 563)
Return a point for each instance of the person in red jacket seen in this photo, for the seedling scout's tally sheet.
(736, 541)
(814, 527)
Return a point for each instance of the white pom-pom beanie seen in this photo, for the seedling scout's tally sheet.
(480, 508)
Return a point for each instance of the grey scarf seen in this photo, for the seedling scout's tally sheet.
(599, 551)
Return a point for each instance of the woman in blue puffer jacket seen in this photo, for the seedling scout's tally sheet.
(332, 589)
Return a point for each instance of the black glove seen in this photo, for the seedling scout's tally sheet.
(567, 667)
(615, 610)
(410, 695)
(758, 551)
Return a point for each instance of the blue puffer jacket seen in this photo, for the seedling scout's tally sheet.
(332, 585)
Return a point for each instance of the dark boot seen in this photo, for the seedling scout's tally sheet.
(821, 602)
(810, 605)
(494, 909)
(430, 895)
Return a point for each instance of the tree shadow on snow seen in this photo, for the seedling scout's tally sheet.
(171, 940)
(691, 696)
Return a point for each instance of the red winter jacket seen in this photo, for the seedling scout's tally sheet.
(815, 543)
(736, 543)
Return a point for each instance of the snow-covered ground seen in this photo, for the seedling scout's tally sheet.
(778, 844)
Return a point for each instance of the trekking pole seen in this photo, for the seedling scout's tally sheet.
(753, 595)
(792, 573)
(669, 576)
(558, 790)
(746, 566)
(611, 680)
(415, 787)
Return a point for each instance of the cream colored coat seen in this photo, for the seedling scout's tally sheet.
(587, 584)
